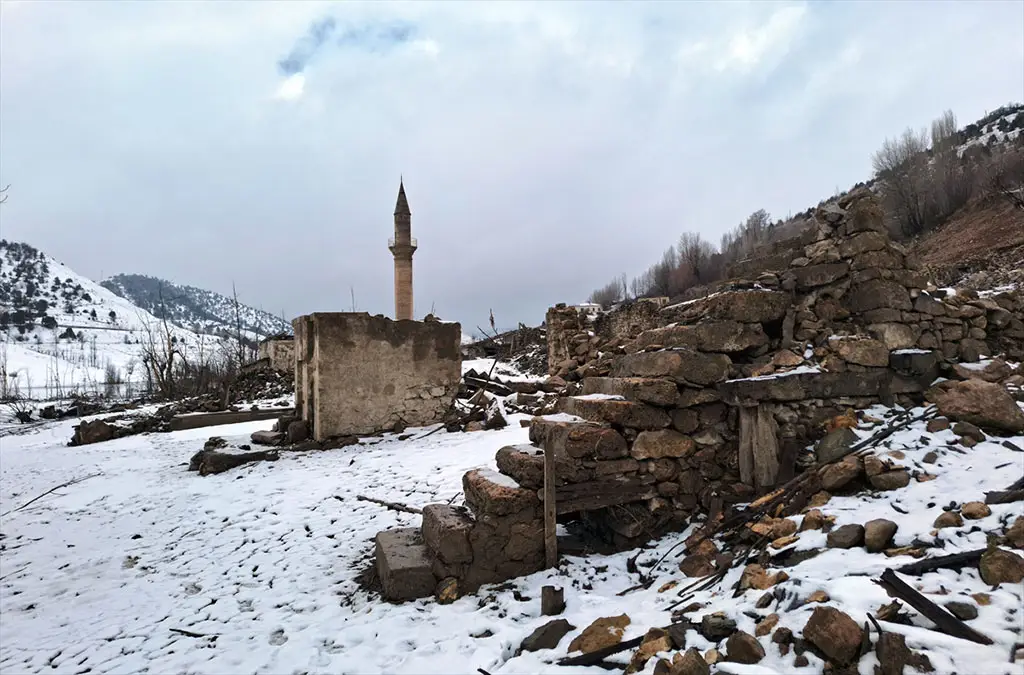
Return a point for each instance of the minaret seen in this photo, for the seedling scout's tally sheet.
(402, 247)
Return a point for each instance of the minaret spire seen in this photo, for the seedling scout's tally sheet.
(402, 247)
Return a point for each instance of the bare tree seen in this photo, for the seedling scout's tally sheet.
(3, 193)
(607, 296)
(1006, 176)
(695, 255)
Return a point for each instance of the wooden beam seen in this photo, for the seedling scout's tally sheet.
(550, 524)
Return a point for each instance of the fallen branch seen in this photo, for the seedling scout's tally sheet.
(954, 561)
(188, 633)
(943, 620)
(1004, 496)
(394, 506)
(69, 483)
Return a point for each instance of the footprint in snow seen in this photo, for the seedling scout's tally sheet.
(278, 638)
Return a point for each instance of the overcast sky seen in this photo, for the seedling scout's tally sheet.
(545, 147)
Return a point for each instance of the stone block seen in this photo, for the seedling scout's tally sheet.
(642, 390)
(861, 351)
(754, 306)
(446, 533)
(492, 493)
(403, 565)
(578, 440)
(662, 443)
(681, 365)
(620, 413)
(878, 294)
(813, 276)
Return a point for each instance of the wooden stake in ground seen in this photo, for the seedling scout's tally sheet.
(550, 525)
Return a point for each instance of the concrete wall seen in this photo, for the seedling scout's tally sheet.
(280, 353)
(360, 374)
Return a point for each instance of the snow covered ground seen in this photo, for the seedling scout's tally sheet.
(262, 560)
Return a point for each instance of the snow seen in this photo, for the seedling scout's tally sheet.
(498, 478)
(912, 351)
(265, 558)
(503, 369)
(799, 370)
(600, 397)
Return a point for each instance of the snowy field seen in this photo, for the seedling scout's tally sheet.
(262, 561)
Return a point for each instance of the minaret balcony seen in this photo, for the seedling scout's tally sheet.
(398, 246)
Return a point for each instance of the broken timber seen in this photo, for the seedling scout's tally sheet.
(943, 620)
(550, 499)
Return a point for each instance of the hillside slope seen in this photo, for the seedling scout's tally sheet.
(195, 309)
(61, 332)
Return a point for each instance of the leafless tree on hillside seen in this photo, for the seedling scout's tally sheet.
(1006, 176)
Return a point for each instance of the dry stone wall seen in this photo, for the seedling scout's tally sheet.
(702, 404)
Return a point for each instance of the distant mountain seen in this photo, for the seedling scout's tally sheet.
(60, 331)
(195, 309)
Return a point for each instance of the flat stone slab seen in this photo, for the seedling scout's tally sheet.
(638, 389)
(621, 413)
(681, 365)
(403, 564)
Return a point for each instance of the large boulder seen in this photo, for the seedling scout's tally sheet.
(985, 404)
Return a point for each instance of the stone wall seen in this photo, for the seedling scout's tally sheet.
(702, 404)
(578, 336)
(360, 374)
(280, 353)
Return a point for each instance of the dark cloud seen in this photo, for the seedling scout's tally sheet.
(374, 37)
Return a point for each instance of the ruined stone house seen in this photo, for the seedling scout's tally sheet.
(278, 351)
(674, 409)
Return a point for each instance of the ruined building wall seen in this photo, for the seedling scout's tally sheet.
(576, 337)
(279, 353)
(360, 374)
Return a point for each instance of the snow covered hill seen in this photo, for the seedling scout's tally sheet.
(195, 309)
(62, 333)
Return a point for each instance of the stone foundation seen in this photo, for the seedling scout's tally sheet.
(360, 374)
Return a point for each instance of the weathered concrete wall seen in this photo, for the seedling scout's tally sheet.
(280, 354)
(360, 374)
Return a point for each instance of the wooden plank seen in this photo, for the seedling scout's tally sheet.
(200, 420)
(550, 525)
(600, 501)
(605, 486)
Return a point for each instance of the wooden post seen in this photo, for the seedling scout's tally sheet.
(552, 601)
(550, 527)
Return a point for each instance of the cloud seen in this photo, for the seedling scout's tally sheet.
(546, 147)
(375, 37)
(291, 88)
